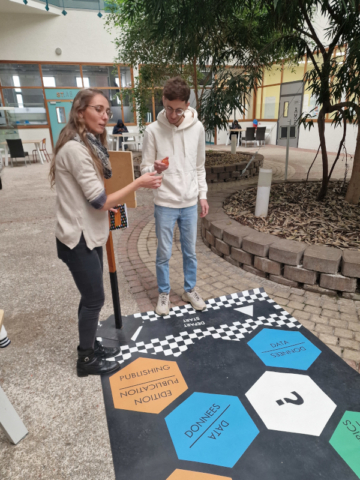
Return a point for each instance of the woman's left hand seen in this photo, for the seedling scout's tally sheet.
(113, 210)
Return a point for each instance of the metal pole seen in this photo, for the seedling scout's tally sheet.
(287, 150)
(114, 281)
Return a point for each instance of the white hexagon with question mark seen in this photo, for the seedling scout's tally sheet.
(288, 402)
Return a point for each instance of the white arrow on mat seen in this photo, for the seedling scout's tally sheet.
(247, 310)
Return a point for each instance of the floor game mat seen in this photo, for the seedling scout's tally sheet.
(240, 391)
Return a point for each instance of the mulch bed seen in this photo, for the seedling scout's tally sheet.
(224, 158)
(295, 214)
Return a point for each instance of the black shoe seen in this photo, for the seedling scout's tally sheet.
(105, 352)
(90, 364)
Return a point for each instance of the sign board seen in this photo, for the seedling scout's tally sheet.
(123, 174)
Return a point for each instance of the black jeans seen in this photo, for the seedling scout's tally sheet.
(86, 267)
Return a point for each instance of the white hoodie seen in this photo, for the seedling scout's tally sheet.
(185, 179)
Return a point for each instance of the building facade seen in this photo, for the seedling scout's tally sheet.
(47, 56)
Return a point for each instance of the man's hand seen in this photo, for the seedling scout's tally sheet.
(204, 208)
(159, 166)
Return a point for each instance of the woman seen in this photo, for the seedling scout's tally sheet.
(80, 164)
(235, 126)
(120, 128)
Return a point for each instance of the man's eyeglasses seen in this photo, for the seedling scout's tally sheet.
(101, 110)
(178, 111)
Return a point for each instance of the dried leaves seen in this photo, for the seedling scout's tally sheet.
(214, 159)
(295, 214)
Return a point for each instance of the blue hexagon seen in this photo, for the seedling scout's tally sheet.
(210, 428)
(284, 349)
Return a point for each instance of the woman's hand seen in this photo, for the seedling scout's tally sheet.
(149, 180)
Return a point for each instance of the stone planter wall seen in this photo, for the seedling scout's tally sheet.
(315, 268)
(226, 173)
(231, 173)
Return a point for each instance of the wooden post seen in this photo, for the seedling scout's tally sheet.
(122, 175)
(113, 281)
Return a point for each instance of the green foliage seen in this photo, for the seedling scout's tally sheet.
(196, 39)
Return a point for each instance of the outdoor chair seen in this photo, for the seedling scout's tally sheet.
(43, 150)
(16, 150)
(249, 135)
(260, 135)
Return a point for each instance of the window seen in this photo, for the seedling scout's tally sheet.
(128, 109)
(28, 75)
(205, 77)
(125, 74)
(60, 114)
(28, 105)
(272, 75)
(101, 76)
(149, 114)
(158, 102)
(49, 81)
(286, 109)
(63, 75)
(115, 104)
(293, 73)
(270, 102)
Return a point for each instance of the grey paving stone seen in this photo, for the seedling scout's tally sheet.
(287, 251)
(283, 281)
(254, 271)
(234, 234)
(268, 266)
(241, 256)
(222, 246)
(217, 227)
(338, 282)
(322, 259)
(317, 289)
(258, 244)
(210, 238)
(299, 274)
(350, 266)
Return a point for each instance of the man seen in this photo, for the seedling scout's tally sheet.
(178, 135)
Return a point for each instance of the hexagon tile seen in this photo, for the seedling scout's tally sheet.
(284, 349)
(147, 385)
(288, 402)
(346, 440)
(188, 475)
(211, 428)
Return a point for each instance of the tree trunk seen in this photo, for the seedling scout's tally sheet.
(196, 83)
(353, 191)
(325, 179)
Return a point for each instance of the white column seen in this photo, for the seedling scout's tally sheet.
(263, 192)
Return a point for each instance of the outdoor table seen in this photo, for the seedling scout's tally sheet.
(116, 136)
(25, 142)
(234, 130)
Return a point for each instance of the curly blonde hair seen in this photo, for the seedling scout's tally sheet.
(76, 125)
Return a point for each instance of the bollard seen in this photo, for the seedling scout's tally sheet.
(263, 192)
(233, 144)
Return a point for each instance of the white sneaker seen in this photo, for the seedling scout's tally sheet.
(163, 305)
(194, 298)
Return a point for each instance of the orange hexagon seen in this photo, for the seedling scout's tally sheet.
(187, 475)
(147, 385)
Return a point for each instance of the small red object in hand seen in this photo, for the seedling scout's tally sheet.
(165, 161)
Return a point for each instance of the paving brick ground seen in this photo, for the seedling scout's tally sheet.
(335, 321)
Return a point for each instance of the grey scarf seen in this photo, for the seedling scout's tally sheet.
(100, 151)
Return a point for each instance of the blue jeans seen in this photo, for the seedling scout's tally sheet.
(165, 219)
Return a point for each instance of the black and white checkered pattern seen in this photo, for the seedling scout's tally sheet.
(176, 345)
(238, 299)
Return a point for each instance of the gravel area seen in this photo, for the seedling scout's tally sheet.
(295, 214)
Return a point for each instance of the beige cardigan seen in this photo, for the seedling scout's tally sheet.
(77, 184)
